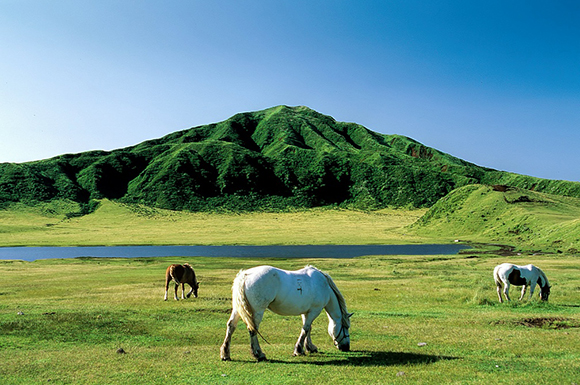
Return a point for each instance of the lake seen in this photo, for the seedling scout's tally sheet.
(293, 251)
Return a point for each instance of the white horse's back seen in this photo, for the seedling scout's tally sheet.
(286, 292)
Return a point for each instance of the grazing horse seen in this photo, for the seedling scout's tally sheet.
(181, 274)
(303, 292)
(529, 275)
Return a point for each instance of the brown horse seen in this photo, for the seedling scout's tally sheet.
(181, 274)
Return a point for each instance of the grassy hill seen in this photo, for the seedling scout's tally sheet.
(276, 158)
(505, 214)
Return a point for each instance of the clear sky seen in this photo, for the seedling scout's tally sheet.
(494, 82)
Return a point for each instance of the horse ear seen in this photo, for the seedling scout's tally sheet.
(350, 315)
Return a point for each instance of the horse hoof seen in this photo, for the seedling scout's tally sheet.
(226, 359)
(262, 358)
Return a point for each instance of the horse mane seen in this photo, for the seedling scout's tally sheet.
(341, 302)
(187, 266)
(544, 277)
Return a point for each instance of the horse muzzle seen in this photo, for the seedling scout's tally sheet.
(344, 347)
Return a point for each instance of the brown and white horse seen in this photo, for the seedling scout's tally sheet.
(181, 274)
(508, 274)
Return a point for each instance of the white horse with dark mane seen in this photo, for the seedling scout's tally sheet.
(508, 274)
(303, 292)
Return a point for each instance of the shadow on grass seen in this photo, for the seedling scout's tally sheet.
(366, 358)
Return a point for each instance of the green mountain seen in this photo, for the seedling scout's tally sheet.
(276, 158)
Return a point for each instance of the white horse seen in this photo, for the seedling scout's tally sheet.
(529, 275)
(303, 292)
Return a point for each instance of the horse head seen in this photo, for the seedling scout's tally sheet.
(340, 334)
(545, 293)
(191, 280)
(195, 288)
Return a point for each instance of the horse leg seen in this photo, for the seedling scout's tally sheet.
(532, 288)
(254, 343)
(299, 347)
(523, 292)
(310, 347)
(182, 290)
(175, 295)
(506, 291)
(499, 293)
(307, 320)
(191, 291)
(167, 280)
(231, 327)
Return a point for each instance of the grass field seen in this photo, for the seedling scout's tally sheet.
(118, 224)
(63, 321)
(418, 319)
(527, 220)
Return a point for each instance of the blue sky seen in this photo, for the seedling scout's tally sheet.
(496, 83)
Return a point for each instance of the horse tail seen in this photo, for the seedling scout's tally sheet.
(241, 304)
(167, 276)
(240, 301)
(171, 272)
(496, 277)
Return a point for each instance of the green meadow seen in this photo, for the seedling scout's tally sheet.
(418, 319)
(113, 223)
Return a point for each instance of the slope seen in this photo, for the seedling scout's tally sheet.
(502, 214)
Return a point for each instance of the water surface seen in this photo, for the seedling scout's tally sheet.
(295, 251)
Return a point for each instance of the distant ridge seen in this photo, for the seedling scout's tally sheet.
(275, 158)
